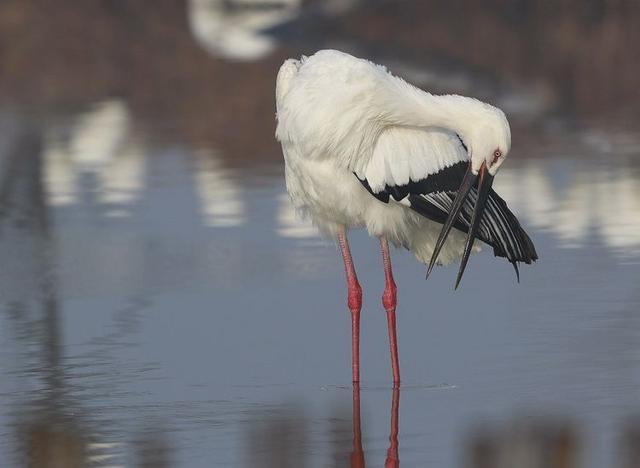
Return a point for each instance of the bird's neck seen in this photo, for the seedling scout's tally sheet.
(456, 113)
(414, 107)
(452, 112)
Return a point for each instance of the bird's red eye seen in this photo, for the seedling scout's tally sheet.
(496, 155)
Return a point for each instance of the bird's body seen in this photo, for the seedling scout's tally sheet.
(363, 148)
(335, 199)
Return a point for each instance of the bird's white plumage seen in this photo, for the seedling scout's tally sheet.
(402, 154)
(338, 115)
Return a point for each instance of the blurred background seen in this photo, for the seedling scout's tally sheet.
(162, 306)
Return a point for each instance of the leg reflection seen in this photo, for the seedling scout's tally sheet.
(392, 460)
(357, 455)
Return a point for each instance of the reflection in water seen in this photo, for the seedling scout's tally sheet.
(153, 449)
(94, 161)
(278, 439)
(357, 457)
(629, 449)
(281, 437)
(393, 459)
(52, 428)
(573, 199)
(290, 224)
(219, 192)
(49, 446)
(49, 429)
(357, 454)
(527, 443)
(535, 442)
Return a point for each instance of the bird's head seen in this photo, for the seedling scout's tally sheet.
(488, 139)
(487, 136)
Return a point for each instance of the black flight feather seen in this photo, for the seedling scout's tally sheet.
(433, 196)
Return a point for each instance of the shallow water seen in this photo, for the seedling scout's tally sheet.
(161, 303)
(152, 293)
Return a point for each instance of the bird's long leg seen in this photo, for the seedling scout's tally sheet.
(389, 302)
(392, 460)
(354, 301)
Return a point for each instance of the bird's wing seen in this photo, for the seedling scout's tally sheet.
(423, 169)
(402, 155)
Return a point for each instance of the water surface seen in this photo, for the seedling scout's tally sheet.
(162, 304)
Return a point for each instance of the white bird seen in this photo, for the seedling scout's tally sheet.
(364, 148)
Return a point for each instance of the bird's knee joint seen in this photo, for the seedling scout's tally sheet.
(354, 297)
(389, 297)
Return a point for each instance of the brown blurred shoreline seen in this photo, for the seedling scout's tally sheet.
(59, 56)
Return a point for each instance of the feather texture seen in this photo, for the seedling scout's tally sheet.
(339, 115)
(404, 154)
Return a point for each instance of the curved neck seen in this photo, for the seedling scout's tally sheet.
(410, 106)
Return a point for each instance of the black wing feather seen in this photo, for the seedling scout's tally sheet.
(433, 196)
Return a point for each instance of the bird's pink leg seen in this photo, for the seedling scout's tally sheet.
(354, 301)
(389, 302)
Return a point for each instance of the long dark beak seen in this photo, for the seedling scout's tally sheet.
(485, 180)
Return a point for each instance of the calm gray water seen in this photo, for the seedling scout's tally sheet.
(161, 305)
(150, 293)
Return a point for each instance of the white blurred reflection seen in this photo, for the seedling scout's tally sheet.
(289, 224)
(95, 160)
(233, 29)
(306, 252)
(587, 199)
(618, 206)
(220, 195)
(103, 454)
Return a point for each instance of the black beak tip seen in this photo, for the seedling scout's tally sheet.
(515, 267)
(428, 272)
(458, 280)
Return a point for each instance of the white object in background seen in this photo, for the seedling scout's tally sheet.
(233, 29)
